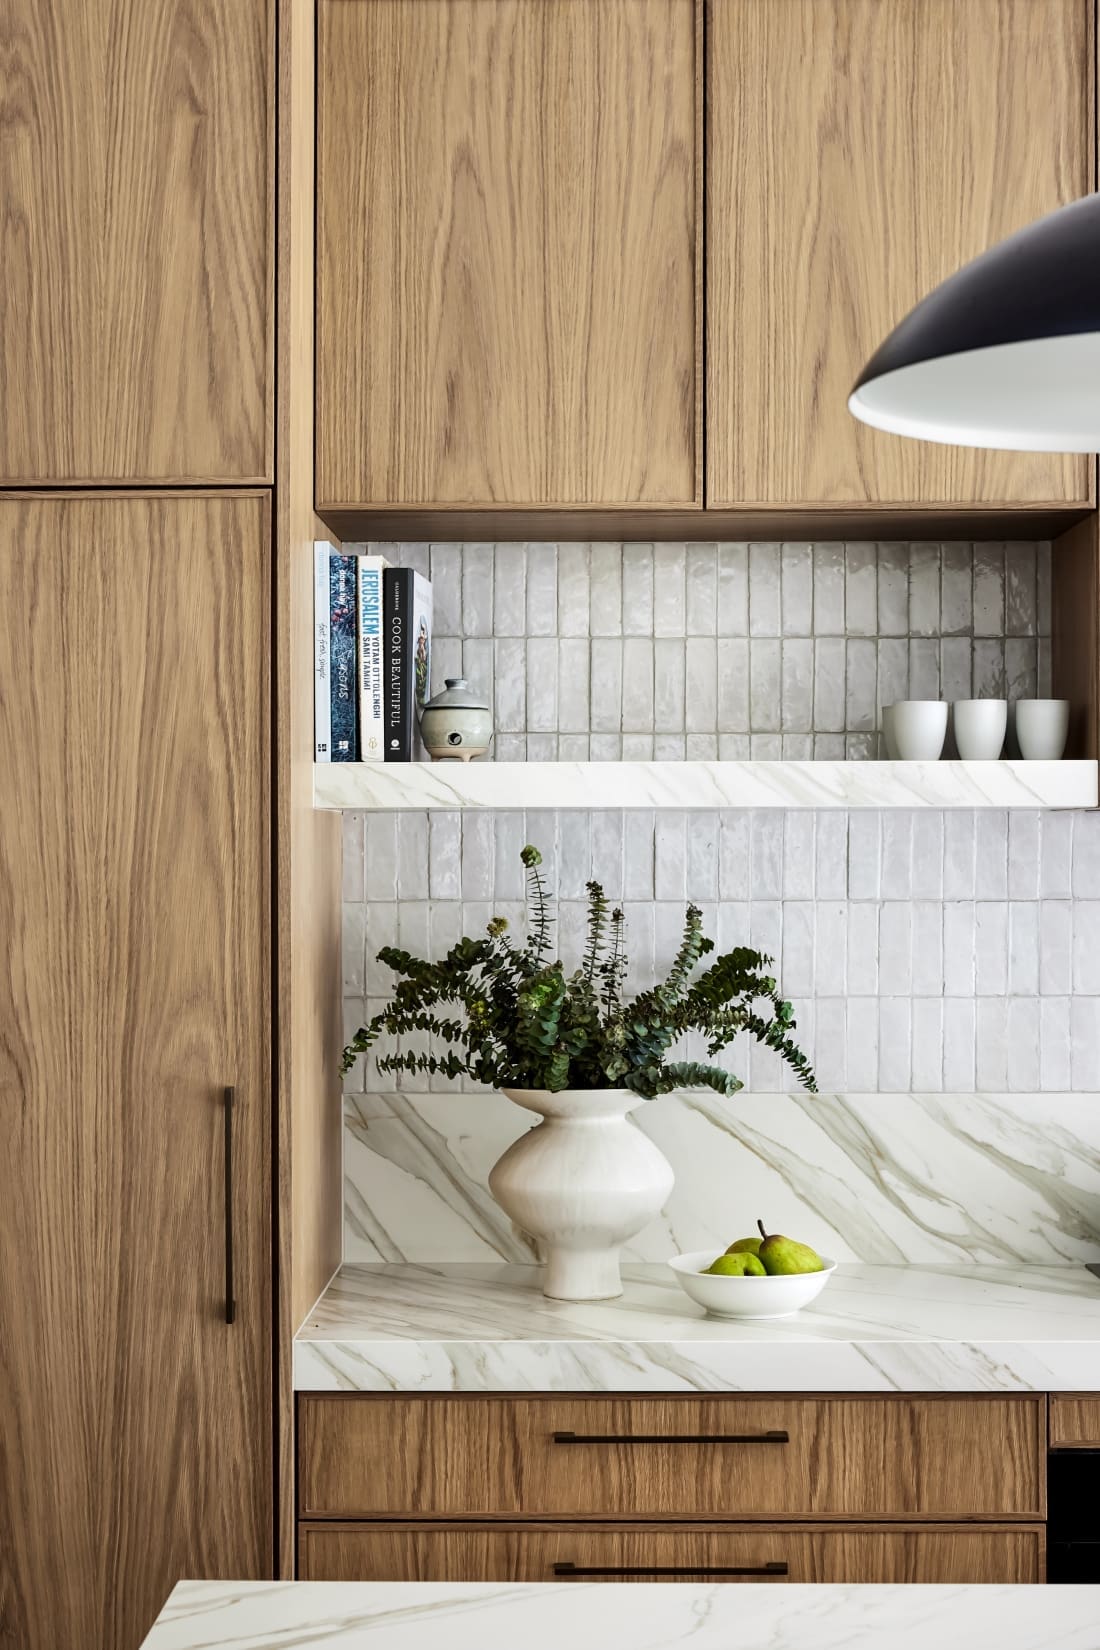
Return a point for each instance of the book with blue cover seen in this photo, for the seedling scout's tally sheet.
(322, 703)
(343, 677)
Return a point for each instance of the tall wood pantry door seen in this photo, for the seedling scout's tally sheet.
(135, 1422)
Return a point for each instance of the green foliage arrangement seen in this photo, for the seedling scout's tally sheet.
(513, 1018)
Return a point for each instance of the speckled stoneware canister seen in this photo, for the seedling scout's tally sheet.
(456, 725)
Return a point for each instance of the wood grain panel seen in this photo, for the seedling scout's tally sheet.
(856, 522)
(134, 892)
(531, 1552)
(1074, 1421)
(308, 843)
(508, 255)
(858, 153)
(1075, 632)
(137, 237)
(846, 1457)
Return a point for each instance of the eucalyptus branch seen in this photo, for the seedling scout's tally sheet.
(511, 1016)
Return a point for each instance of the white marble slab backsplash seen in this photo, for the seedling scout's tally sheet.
(880, 1179)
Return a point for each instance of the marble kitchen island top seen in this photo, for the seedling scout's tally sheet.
(264, 1615)
(488, 1328)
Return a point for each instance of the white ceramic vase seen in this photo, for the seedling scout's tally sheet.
(581, 1181)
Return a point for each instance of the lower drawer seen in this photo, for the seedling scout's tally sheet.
(648, 1552)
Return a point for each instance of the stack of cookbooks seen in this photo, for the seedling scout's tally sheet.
(372, 657)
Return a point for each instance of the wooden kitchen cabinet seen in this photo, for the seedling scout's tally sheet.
(509, 253)
(782, 1553)
(1074, 1420)
(135, 871)
(730, 1457)
(857, 152)
(136, 173)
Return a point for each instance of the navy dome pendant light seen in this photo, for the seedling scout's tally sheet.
(1005, 353)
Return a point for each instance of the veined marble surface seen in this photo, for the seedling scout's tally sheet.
(488, 1328)
(1008, 784)
(259, 1615)
(880, 1178)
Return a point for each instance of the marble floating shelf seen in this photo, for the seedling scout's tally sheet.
(386, 787)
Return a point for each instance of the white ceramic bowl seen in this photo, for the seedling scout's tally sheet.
(748, 1297)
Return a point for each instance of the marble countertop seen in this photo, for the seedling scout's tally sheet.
(203, 1615)
(488, 1328)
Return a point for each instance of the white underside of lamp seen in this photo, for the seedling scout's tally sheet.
(1042, 395)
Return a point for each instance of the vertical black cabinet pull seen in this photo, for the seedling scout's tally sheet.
(230, 1301)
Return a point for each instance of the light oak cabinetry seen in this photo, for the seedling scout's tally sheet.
(1075, 1421)
(836, 1488)
(508, 303)
(858, 153)
(135, 875)
(730, 1553)
(728, 1457)
(508, 254)
(136, 176)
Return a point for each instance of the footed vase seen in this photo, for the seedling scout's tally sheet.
(582, 1181)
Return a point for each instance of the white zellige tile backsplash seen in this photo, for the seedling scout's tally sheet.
(949, 951)
(607, 651)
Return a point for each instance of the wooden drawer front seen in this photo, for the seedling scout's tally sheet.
(1075, 1422)
(641, 1552)
(671, 1458)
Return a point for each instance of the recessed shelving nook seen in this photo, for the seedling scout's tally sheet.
(693, 676)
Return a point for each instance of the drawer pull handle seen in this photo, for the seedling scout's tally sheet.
(776, 1437)
(567, 1571)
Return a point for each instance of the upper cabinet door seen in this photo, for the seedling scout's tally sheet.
(136, 238)
(508, 252)
(858, 151)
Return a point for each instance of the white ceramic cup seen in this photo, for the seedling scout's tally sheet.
(920, 728)
(980, 726)
(888, 733)
(1042, 727)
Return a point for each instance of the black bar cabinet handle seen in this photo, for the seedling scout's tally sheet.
(775, 1437)
(230, 1301)
(567, 1571)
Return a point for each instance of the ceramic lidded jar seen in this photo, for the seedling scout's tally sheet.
(456, 725)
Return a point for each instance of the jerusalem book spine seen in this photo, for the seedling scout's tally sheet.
(322, 704)
(371, 719)
(397, 586)
(343, 675)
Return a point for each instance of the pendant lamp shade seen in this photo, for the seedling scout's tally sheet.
(1005, 353)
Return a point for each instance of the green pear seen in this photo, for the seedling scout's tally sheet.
(745, 1246)
(782, 1256)
(736, 1266)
